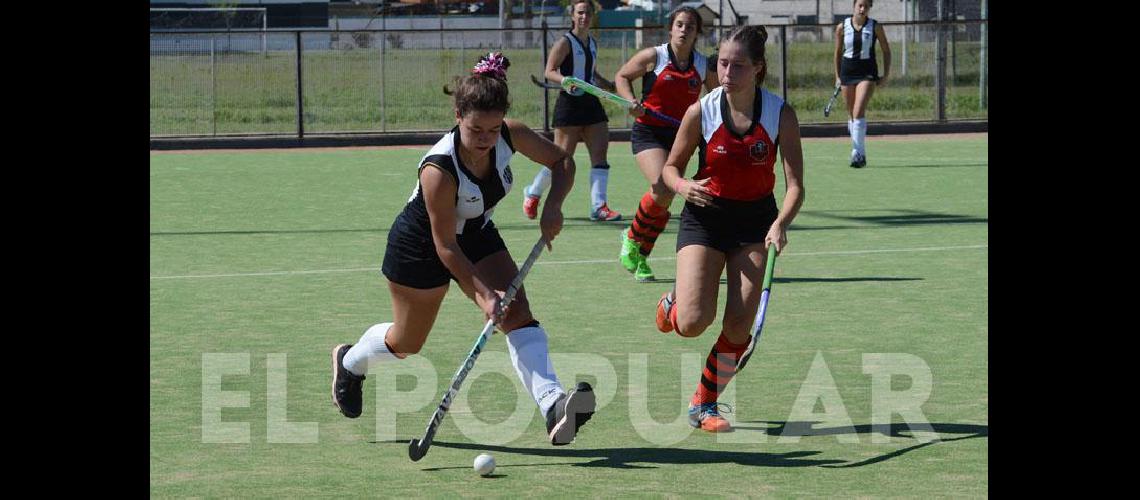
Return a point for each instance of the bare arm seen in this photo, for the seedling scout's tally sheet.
(672, 176)
(544, 152)
(886, 48)
(554, 60)
(793, 178)
(439, 189)
(636, 67)
(838, 50)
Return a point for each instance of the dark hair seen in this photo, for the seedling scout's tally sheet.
(752, 38)
(687, 10)
(570, 7)
(870, 3)
(485, 89)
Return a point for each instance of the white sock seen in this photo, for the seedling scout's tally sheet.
(861, 136)
(599, 178)
(851, 131)
(531, 356)
(369, 350)
(541, 182)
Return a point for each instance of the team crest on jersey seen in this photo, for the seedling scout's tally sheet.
(507, 175)
(759, 151)
(694, 83)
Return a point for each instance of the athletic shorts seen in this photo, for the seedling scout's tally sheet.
(411, 260)
(643, 137)
(853, 71)
(571, 111)
(728, 224)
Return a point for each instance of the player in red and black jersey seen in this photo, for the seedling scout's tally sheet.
(672, 75)
(730, 221)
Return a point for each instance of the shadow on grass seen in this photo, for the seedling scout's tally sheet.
(895, 430)
(625, 458)
(935, 165)
(724, 281)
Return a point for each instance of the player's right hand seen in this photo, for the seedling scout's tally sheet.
(637, 111)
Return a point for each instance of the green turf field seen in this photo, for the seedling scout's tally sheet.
(262, 261)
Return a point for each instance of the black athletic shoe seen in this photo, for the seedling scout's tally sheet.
(569, 414)
(347, 390)
(859, 162)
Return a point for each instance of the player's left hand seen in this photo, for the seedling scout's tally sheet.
(575, 91)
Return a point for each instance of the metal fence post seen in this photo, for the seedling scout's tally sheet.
(545, 94)
(784, 60)
(625, 57)
(213, 91)
(383, 87)
(982, 62)
(300, 94)
(940, 71)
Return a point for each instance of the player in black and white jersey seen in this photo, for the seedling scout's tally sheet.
(445, 233)
(578, 116)
(857, 71)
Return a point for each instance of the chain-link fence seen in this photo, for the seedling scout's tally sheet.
(297, 82)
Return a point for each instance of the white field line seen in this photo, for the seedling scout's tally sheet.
(564, 262)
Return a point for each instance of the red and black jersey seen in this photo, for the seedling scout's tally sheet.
(670, 91)
(739, 166)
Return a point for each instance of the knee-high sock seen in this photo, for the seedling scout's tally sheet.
(851, 132)
(720, 366)
(370, 349)
(599, 178)
(540, 183)
(648, 224)
(860, 135)
(531, 356)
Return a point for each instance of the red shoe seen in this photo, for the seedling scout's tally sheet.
(603, 213)
(530, 206)
(707, 417)
(664, 306)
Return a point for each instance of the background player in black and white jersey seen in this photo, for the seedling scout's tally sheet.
(858, 73)
(730, 221)
(578, 116)
(445, 233)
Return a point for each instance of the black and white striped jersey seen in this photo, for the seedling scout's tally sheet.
(476, 198)
(859, 44)
(581, 61)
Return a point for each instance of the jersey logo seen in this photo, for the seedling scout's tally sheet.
(507, 175)
(668, 77)
(694, 83)
(719, 149)
(472, 199)
(759, 151)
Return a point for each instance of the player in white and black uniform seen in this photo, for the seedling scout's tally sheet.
(445, 233)
(578, 116)
(857, 71)
(672, 76)
(730, 221)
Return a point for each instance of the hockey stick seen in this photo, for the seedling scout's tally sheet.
(417, 448)
(545, 85)
(759, 325)
(569, 81)
(831, 102)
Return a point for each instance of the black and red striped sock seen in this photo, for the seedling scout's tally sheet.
(720, 367)
(648, 223)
